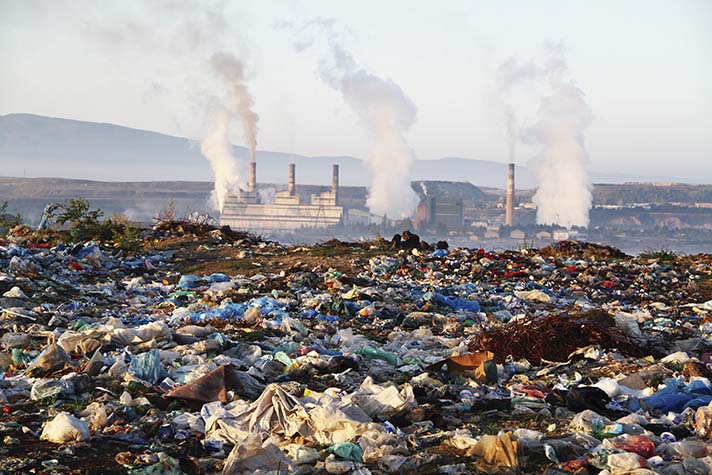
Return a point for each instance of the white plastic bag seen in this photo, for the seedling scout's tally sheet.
(65, 428)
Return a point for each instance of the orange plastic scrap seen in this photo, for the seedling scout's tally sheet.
(480, 365)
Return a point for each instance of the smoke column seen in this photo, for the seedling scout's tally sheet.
(232, 71)
(197, 36)
(387, 113)
(217, 149)
(510, 74)
(563, 195)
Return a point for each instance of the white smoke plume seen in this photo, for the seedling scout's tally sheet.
(232, 71)
(510, 74)
(563, 195)
(216, 147)
(198, 37)
(386, 112)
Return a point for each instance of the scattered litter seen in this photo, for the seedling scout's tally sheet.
(399, 357)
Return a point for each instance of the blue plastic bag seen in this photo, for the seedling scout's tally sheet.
(147, 366)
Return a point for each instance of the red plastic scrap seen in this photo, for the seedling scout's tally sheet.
(42, 245)
(74, 265)
(482, 253)
(638, 444)
(534, 391)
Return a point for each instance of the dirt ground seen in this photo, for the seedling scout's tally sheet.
(200, 256)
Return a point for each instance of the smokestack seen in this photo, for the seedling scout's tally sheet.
(252, 185)
(510, 196)
(290, 183)
(335, 183)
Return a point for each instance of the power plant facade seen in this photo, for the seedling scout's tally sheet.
(287, 212)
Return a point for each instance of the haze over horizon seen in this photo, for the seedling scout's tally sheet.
(643, 66)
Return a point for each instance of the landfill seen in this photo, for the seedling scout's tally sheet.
(209, 351)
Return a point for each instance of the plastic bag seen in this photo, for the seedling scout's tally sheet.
(497, 454)
(347, 451)
(52, 359)
(47, 388)
(147, 366)
(383, 402)
(65, 428)
(250, 457)
(703, 422)
(301, 454)
(12, 340)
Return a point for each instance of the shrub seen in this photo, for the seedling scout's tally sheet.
(8, 220)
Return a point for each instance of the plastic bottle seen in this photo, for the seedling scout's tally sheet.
(467, 397)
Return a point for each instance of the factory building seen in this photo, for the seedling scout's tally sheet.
(440, 212)
(287, 212)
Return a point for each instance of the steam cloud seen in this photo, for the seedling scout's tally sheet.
(232, 71)
(217, 149)
(563, 195)
(387, 113)
(510, 74)
(216, 145)
(198, 34)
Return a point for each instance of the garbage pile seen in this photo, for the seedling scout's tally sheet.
(202, 228)
(571, 359)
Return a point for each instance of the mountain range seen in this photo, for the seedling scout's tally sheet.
(40, 146)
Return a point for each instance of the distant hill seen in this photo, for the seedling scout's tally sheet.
(41, 146)
(142, 200)
(650, 193)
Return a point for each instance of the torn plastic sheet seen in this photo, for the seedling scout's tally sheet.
(278, 413)
(383, 402)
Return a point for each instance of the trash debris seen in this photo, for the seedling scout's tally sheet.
(215, 385)
(65, 428)
(213, 351)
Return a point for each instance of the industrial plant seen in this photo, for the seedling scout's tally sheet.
(248, 210)
(245, 210)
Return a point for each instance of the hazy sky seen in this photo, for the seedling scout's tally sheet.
(645, 67)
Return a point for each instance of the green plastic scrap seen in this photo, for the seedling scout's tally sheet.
(347, 451)
(166, 466)
(283, 358)
(19, 358)
(80, 325)
(373, 354)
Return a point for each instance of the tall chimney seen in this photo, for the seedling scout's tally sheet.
(509, 212)
(335, 183)
(290, 183)
(252, 185)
